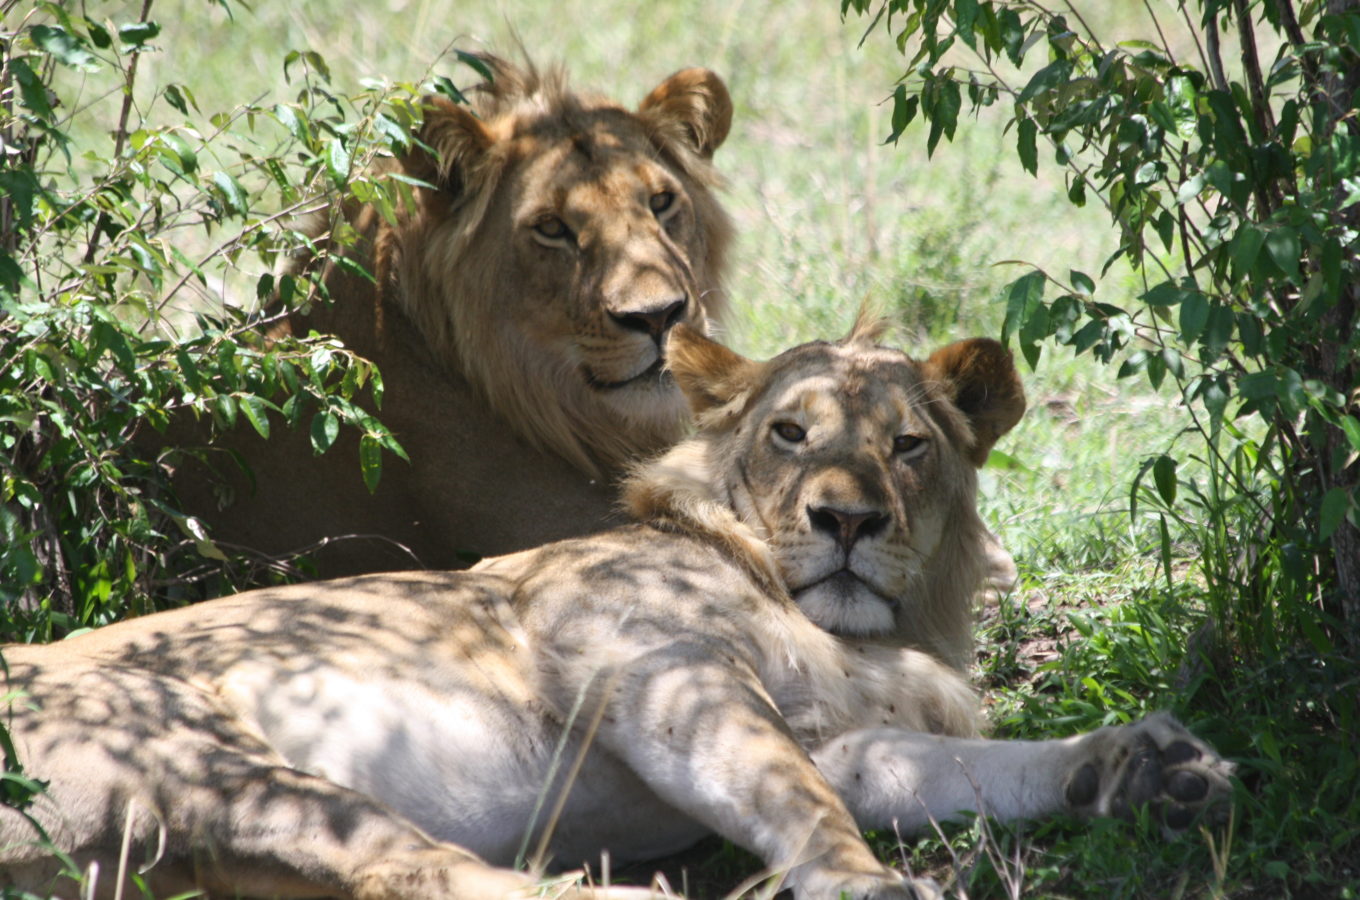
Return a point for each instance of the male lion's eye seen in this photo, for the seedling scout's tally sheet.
(789, 431)
(907, 443)
(661, 201)
(552, 228)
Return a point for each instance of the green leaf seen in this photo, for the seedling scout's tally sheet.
(1331, 267)
(1165, 293)
(325, 429)
(1027, 132)
(1136, 363)
(256, 412)
(370, 461)
(904, 110)
(965, 15)
(1220, 329)
(1046, 79)
(1165, 225)
(475, 63)
(1012, 34)
(943, 112)
(1164, 534)
(224, 411)
(1082, 283)
(232, 192)
(1283, 246)
(1023, 297)
(999, 459)
(398, 138)
(1246, 248)
(99, 35)
(188, 370)
(1190, 189)
(179, 97)
(1076, 194)
(1335, 504)
(1352, 429)
(1194, 316)
(181, 152)
(337, 162)
(1090, 334)
(1164, 475)
(138, 33)
(1213, 393)
(1321, 643)
(64, 47)
(288, 117)
(31, 88)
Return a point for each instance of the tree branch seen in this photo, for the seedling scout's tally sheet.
(1214, 50)
(1267, 198)
(119, 136)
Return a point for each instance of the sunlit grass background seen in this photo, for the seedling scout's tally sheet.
(829, 217)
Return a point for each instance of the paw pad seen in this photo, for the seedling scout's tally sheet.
(1154, 763)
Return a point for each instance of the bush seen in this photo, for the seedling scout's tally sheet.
(1233, 184)
(127, 271)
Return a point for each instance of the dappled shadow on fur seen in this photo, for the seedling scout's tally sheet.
(380, 736)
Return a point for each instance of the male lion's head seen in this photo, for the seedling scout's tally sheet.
(561, 239)
(846, 469)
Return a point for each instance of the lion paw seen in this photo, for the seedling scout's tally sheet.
(865, 886)
(1155, 763)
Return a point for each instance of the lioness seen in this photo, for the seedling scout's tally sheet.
(518, 319)
(366, 737)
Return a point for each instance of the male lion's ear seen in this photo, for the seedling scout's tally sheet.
(691, 108)
(451, 147)
(709, 375)
(979, 376)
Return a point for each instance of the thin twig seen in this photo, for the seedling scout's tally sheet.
(120, 136)
(1290, 22)
(1194, 34)
(1166, 45)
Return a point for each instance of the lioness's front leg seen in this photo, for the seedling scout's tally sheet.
(894, 778)
(705, 738)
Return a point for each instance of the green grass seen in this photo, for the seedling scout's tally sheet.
(829, 217)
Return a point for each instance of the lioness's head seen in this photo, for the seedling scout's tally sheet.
(564, 236)
(851, 468)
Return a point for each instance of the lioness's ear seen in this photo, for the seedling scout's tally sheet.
(979, 376)
(691, 108)
(708, 373)
(458, 144)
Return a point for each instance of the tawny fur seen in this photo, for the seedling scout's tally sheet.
(401, 735)
(521, 374)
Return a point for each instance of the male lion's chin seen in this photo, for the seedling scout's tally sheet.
(653, 378)
(844, 605)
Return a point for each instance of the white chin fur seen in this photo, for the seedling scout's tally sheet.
(846, 607)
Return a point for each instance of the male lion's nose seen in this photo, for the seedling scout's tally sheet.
(845, 526)
(654, 320)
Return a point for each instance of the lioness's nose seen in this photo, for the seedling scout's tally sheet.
(654, 320)
(845, 526)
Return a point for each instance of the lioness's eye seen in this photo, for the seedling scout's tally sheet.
(789, 431)
(661, 201)
(552, 228)
(906, 443)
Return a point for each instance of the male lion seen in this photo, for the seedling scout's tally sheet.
(518, 319)
(366, 737)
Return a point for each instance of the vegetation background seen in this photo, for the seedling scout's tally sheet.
(1111, 617)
